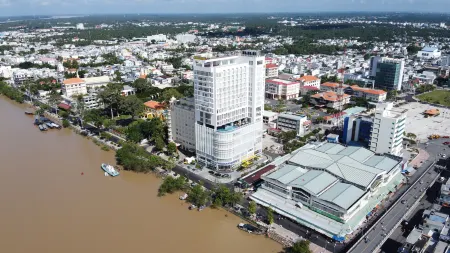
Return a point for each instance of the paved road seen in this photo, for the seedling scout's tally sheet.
(398, 236)
(377, 233)
(300, 230)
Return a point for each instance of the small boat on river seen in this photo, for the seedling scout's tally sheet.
(29, 111)
(42, 128)
(49, 125)
(110, 170)
(250, 229)
(184, 196)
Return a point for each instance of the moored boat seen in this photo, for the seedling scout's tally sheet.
(201, 208)
(29, 111)
(45, 127)
(110, 170)
(184, 196)
(56, 126)
(37, 121)
(49, 125)
(191, 207)
(41, 127)
(250, 229)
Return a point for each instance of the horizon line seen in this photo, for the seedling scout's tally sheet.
(229, 13)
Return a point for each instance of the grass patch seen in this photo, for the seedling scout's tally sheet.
(441, 97)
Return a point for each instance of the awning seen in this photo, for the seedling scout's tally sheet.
(64, 106)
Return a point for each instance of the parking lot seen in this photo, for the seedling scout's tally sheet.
(422, 127)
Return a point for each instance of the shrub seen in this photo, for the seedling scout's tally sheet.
(65, 123)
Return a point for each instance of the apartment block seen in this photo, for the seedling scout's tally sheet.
(387, 130)
(282, 89)
(183, 123)
(73, 86)
(229, 105)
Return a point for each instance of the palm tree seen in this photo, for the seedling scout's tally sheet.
(80, 106)
(54, 99)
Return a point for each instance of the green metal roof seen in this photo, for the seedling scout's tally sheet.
(343, 195)
(355, 165)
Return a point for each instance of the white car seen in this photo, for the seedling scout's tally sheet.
(444, 156)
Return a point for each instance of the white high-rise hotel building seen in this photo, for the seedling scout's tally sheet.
(229, 104)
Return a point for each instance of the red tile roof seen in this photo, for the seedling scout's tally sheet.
(154, 105)
(280, 82)
(75, 80)
(329, 96)
(308, 78)
(367, 90)
(308, 87)
(271, 66)
(64, 106)
(256, 176)
(329, 84)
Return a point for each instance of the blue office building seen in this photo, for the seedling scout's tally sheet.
(357, 130)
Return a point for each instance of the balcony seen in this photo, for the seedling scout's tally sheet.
(230, 127)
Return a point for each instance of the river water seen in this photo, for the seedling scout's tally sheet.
(47, 205)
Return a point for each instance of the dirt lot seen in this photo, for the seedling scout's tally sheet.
(423, 127)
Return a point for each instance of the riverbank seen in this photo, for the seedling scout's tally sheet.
(42, 189)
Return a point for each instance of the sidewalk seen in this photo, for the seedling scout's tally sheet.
(420, 158)
(287, 238)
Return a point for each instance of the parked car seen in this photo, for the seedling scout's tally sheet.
(446, 143)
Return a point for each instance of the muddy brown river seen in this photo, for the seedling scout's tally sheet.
(48, 206)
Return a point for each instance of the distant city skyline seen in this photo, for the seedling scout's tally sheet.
(64, 7)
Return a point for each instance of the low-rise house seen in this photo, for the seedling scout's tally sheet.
(282, 89)
(311, 81)
(289, 122)
(427, 77)
(270, 118)
(308, 89)
(373, 95)
(154, 109)
(128, 90)
(92, 101)
(329, 86)
(73, 86)
(330, 99)
(98, 82)
(429, 53)
(271, 70)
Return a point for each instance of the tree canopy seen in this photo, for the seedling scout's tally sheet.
(224, 196)
(299, 247)
(131, 105)
(135, 158)
(198, 196)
